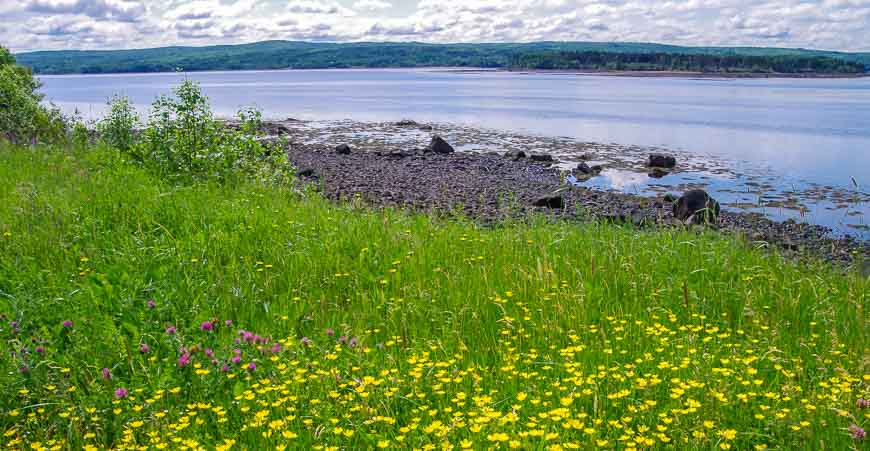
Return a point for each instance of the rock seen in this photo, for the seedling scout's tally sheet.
(550, 201)
(343, 149)
(658, 173)
(439, 145)
(310, 173)
(397, 154)
(515, 155)
(542, 157)
(407, 123)
(697, 206)
(583, 168)
(427, 128)
(658, 160)
(585, 157)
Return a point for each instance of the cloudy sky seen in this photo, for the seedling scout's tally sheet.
(115, 24)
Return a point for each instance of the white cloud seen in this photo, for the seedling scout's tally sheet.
(371, 5)
(827, 24)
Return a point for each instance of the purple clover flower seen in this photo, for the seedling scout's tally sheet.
(206, 326)
(67, 324)
(184, 360)
(170, 330)
(151, 304)
(121, 392)
(862, 403)
(144, 349)
(858, 433)
(106, 374)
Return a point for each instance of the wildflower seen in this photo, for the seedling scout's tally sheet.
(228, 322)
(24, 369)
(862, 403)
(276, 348)
(67, 324)
(209, 352)
(184, 360)
(225, 369)
(353, 342)
(330, 333)
(143, 348)
(306, 341)
(252, 366)
(151, 304)
(857, 432)
(206, 326)
(170, 330)
(106, 374)
(40, 350)
(121, 392)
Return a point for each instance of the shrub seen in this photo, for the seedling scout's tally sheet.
(118, 128)
(183, 140)
(22, 116)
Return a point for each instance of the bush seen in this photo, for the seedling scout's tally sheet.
(118, 128)
(183, 140)
(22, 116)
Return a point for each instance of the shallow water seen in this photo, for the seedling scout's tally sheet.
(752, 142)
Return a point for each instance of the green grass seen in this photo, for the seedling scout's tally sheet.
(537, 335)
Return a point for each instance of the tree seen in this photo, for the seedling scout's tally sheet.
(22, 116)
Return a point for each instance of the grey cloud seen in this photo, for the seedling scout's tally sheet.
(119, 10)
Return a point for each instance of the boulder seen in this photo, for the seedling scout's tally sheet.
(583, 168)
(658, 160)
(515, 155)
(407, 123)
(439, 145)
(697, 206)
(542, 157)
(550, 201)
(343, 149)
(310, 173)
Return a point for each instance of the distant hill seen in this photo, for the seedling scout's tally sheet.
(308, 55)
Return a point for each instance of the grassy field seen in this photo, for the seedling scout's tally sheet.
(137, 314)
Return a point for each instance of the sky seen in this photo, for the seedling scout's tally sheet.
(122, 24)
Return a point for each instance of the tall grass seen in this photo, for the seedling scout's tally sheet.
(356, 328)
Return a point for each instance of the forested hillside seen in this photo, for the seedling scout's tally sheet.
(541, 55)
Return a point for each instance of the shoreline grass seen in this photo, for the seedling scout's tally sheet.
(256, 317)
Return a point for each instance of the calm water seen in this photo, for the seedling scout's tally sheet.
(800, 132)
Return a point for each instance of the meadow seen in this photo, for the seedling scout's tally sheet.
(141, 313)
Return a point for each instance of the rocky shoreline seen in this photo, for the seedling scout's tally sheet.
(492, 186)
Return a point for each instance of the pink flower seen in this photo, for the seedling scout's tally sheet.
(184, 360)
(862, 403)
(106, 374)
(206, 326)
(330, 332)
(276, 348)
(857, 432)
(252, 366)
(170, 330)
(121, 392)
(209, 352)
(228, 322)
(236, 359)
(143, 348)
(152, 304)
(67, 324)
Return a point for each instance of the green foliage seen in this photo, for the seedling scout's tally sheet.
(22, 117)
(511, 329)
(183, 140)
(118, 128)
(306, 55)
(779, 64)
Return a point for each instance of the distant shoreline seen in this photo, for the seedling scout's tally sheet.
(666, 74)
(474, 70)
